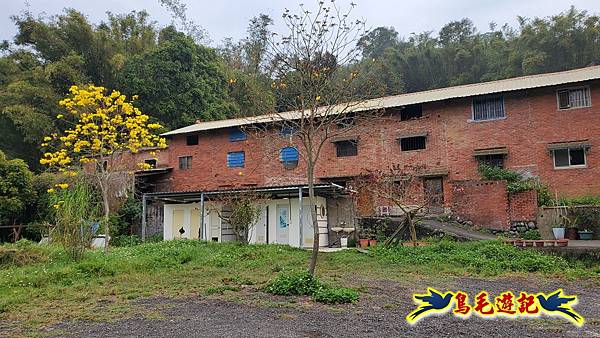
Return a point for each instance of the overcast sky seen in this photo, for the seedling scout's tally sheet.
(229, 18)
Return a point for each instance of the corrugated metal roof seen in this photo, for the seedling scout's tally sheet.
(484, 88)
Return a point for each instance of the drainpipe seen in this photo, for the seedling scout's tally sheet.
(201, 235)
(300, 216)
(144, 217)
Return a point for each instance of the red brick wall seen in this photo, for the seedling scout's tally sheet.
(523, 206)
(485, 203)
(532, 121)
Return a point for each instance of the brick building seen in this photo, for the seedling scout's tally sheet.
(545, 126)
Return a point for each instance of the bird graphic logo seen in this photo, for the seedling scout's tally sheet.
(558, 304)
(431, 302)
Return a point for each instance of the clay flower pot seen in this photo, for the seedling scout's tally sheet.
(364, 243)
(372, 242)
(539, 243)
(562, 242)
(571, 233)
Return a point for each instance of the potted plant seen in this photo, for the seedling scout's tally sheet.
(588, 217)
(586, 234)
(570, 227)
(365, 234)
(378, 234)
(559, 231)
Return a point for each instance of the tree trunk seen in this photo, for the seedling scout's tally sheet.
(16, 231)
(311, 199)
(106, 206)
(413, 231)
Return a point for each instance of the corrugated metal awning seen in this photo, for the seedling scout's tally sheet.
(566, 145)
(491, 151)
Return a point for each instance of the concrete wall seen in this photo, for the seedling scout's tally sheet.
(188, 216)
(549, 216)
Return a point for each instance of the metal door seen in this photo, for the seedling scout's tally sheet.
(434, 194)
(283, 223)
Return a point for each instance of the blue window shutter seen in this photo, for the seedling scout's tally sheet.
(236, 159)
(288, 154)
(236, 134)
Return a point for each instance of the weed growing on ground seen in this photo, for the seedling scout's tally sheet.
(487, 258)
(302, 283)
(331, 295)
(45, 286)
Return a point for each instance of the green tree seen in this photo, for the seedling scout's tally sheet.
(16, 192)
(179, 82)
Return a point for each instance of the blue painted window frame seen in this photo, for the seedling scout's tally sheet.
(236, 159)
(236, 134)
(288, 155)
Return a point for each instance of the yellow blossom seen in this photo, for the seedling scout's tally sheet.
(50, 190)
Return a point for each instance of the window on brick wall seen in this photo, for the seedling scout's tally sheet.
(412, 143)
(569, 158)
(573, 98)
(346, 148)
(236, 134)
(488, 108)
(185, 162)
(411, 112)
(289, 157)
(495, 160)
(236, 159)
(191, 140)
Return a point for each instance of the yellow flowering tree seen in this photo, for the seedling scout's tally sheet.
(104, 129)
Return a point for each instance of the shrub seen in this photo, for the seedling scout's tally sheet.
(497, 174)
(95, 268)
(330, 295)
(543, 196)
(489, 258)
(125, 240)
(22, 253)
(154, 238)
(76, 209)
(582, 200)
(304, 284)
(531, 234)
(515, 182)
(293, 284)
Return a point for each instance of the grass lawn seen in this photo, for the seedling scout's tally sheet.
(40, 286)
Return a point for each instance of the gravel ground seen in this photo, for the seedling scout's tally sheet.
(380, 312)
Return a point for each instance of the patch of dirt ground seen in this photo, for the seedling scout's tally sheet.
(381, 311)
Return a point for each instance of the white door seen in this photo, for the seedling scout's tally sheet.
(283, 223)
(307, 227)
